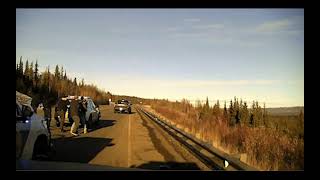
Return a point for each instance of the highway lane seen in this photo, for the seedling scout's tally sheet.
(123, 140)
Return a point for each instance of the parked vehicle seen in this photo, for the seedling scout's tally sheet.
(93, 112)
(33, 138)
(92, 115)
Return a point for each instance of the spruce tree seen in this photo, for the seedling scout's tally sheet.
(245, 114)
(251, 121)
(218, 107)
(31, 71)
(57, 72)
(231, 113)
(36, 72)
(75, 81)
(61, 73)
(207, 104)
(21, 67)
(253, 114)
(49, 83)
(225, 112)
(26, 70)
(65, 75)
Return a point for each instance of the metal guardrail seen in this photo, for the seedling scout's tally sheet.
(210, 156)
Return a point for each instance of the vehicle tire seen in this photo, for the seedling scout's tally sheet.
(97, 121)
(41, 149)
(129, 111)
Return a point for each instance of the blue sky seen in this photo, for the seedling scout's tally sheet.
(254, 54)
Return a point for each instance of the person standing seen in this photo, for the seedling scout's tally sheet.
(82, 113)
(40, 110)
(74, 114)
(61, 110)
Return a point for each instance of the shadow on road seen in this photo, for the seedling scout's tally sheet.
(80, 149)
(155, 165)
(101, 124)
(105, 123)
(132, 112)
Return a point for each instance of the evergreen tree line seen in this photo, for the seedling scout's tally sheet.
(46, 87)
(239, 113)
(236, 113)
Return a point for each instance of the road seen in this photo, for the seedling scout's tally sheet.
(123, 140)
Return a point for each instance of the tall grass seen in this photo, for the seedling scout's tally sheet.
(266, 148)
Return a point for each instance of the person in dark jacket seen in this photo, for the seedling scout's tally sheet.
(82, 113)
(74, 108)
(61, 110)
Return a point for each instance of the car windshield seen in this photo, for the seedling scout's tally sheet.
(123, 102)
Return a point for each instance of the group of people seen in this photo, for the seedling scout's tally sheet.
(77, 111)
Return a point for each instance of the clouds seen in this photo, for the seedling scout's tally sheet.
(274, 26)
(261, 33)
(191, 20)
(172, 28)
(198, 30)
(209, 26)
(292, 26)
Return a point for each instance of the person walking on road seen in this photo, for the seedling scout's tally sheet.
(82, 113)
(74, 113)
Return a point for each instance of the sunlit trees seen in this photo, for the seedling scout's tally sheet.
(225, 111)
(244, 114)
(231, 113)
(266, 148)
(47, 87)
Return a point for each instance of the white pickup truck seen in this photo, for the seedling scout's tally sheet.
(33, 139)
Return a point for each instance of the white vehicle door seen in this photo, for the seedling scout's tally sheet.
(95, 113)
(23, 126)
(93, 110)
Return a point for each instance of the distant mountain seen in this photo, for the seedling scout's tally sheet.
(285, 111)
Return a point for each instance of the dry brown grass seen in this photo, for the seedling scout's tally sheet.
(266, 148)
